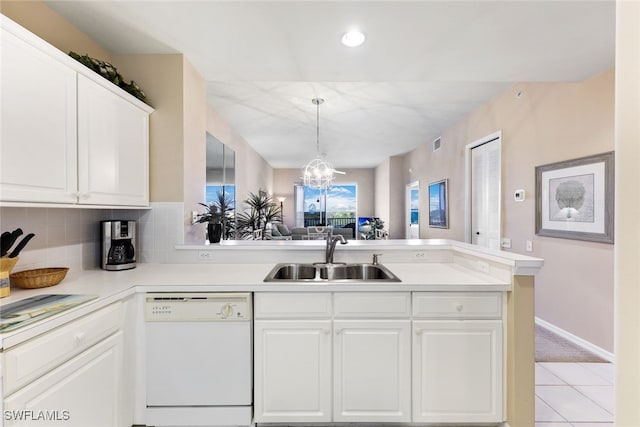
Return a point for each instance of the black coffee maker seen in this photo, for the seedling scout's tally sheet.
(118, 245)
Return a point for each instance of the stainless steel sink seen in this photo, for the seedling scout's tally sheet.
(330, 273)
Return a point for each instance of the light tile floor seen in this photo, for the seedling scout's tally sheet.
(575, 394)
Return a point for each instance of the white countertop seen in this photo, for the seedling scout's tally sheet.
(111, 286)
(465, 274)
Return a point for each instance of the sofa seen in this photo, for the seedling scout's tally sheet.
(279, 232)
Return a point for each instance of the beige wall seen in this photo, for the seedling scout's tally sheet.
(252, 172)
(49, 25)
(177, 130)
(425, 166)
(161, 77)
(382, 190)
(627, 253)
(194, 151)
(390, 196)
(284, 180)
(396, 200)
(550, 122)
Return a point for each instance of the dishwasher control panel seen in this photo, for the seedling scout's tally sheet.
(198, 307)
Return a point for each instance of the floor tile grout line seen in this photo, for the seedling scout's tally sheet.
(581, 393)
(554, 410)
(552, 374)
(574, 386)
(586, 366)
(598, 404)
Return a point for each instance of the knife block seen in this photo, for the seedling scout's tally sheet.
(6, 265)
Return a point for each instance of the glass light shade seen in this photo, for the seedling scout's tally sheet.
(318, 174)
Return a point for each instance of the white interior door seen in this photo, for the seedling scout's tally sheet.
(485, 176)
(413, 211)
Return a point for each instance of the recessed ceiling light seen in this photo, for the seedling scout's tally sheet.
(353, 38)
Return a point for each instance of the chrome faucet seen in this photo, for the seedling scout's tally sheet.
(331, 246)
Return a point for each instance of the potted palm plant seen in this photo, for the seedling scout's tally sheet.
(261, 211)
(218, 216)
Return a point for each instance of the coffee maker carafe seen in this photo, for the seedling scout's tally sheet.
(118, 245)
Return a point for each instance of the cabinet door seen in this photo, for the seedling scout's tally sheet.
(372, 370)
(113, 145)
(38, 125)
(84, 391)
(457, 371)
(292, 368)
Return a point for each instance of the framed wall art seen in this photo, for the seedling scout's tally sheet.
(438, 201)
(574, 199)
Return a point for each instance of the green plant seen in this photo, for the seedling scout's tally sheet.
(211, 214)
(219, 211)
(110, 73)
(261, 210)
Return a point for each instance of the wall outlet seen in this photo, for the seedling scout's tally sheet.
(505, 242)
(418, 255)
(194, 217)
(205, 256)
(529, 246)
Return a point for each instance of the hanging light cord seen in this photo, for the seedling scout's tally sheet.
(317, 102)
(318, 128)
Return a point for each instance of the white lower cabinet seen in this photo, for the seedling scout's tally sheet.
(457, 363)
(379, 357)
(347, 367)
(292, 370)
(84, 391)
(71, 375)
(372, 371)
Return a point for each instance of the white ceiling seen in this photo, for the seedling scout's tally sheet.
(424, 65)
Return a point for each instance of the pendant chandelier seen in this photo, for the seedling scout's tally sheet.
(318, 173)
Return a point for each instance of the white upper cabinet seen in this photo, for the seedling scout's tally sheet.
(113, 145)
(68, 135)
(38, 122)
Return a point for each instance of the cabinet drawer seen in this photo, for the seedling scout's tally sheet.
(458, 305)
(376, 305)
(30, 360)
(305, 305)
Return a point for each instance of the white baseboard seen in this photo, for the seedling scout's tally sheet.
(576, 340)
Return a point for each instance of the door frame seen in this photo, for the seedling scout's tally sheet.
(467, 184)
(407, 204)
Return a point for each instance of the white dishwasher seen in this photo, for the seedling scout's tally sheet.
(198, 359)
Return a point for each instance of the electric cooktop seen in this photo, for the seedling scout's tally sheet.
(24, 312)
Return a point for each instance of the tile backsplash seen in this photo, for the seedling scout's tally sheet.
(71, 237)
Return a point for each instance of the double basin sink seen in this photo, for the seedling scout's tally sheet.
(321, 272)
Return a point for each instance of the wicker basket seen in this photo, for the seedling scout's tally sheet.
(38, 278)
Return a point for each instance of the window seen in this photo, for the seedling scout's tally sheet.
(213, 190)
(335, 206)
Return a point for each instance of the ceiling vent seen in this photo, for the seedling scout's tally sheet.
(436, 144)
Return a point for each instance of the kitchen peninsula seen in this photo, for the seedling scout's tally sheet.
(462, 318)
